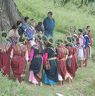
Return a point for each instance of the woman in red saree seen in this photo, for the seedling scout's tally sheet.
(1, 57)
(18, 61)
(5, 52)
(62, 53)
(71, 61)
(6, 60)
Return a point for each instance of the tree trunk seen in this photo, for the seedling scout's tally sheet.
(9, 14)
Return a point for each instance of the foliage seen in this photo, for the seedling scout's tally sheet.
(81, 2)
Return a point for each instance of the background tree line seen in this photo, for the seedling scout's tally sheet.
(78, 2)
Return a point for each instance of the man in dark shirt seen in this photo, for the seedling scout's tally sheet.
(49, 24)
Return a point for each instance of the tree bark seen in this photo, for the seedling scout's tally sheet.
(9, 14)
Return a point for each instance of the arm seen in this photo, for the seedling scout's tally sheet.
(26, 55)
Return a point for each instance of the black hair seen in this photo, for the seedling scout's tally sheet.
(40, 23)
(50, 13)
(14, 27)
(26, 18)
(49, 45)
(87, 27)
(80, 30)
(18, 22)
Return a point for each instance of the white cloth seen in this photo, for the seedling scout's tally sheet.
(80, 51)
(60, 77)
(80, 54)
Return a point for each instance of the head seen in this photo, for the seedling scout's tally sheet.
(14, 27)
(88, 28)
(49, 42)
(80, 32)
(26, 19)
(40, 23)
(33, 22)
(22, 40)
(19, 23)
(50, 14)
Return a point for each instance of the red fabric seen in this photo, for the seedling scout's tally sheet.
(62, 60)
(73, 68)
(6, 61)
(1, 58)
(18, 63)
(45, 58)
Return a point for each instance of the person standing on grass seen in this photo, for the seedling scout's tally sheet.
(5, 52)
(86, 48)
(62, 54)
(19, 57)
(49, 24)
(23, 26)
(80, 48)
(28, 30)
(36, 66)
(50, 64)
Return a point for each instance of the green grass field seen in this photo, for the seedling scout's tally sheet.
(83, 85)
(84, 82)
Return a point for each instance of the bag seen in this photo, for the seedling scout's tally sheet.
(47, 66)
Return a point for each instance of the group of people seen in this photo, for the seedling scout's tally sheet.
(49, 62)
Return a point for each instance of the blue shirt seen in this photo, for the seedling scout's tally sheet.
(87, 41)
(49, 25)
(28, 30)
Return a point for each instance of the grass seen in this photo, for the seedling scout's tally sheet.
(84, 82)
(83, 85)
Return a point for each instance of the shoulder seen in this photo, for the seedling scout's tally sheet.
(46, 19)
